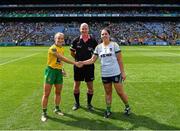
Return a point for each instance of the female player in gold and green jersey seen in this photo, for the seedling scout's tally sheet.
(54, 74)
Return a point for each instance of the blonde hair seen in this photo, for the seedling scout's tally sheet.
(84, 24)
(57, 35)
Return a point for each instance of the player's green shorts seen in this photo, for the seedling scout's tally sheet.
(53, 76)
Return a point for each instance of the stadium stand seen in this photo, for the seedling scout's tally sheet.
(140, 23)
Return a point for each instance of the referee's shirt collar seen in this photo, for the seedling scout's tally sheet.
(85, 38)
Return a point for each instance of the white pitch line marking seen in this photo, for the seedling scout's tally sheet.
(18, 59)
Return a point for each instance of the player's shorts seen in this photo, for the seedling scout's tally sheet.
(112, 79)
(53, 76)
(86, 73)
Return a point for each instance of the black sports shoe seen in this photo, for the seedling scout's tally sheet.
(89, 107)
(127, 111)
(107, 114)
(44, 117)
(75, 107)
(58, 112)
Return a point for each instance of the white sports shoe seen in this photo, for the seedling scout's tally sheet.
(43, 118)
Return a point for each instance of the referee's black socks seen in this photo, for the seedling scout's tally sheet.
(76, 96)
(89, 98)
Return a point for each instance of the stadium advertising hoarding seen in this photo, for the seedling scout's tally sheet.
(23, 15)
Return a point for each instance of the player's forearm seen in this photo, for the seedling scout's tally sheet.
(68, 61)
(121, 66)
(120, 62)
(88, 62)
(65, 59)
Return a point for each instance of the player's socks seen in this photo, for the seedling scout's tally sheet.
(44, 111)
(126, 105)
(76, 96)
(108, 107)
(89, 98)
(76, 105)
(57, 107)
(108, 112)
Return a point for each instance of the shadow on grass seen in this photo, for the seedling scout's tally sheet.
(85, 123)
(137, 121)
(143, 121)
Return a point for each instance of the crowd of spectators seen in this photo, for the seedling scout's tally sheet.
(141, 32)
(127, 33)
(121, 11)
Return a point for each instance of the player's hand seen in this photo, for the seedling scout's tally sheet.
(79, 64)
(123, 75)
(64, 73)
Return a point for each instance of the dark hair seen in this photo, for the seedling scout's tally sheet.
(107, 30)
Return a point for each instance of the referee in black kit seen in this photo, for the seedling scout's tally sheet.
(82, 48)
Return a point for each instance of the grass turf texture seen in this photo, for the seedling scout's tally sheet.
(152, 84)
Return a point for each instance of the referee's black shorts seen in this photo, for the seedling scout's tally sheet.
(86, 73)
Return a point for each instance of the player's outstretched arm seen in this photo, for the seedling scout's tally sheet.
(90, 61)
(63, 58)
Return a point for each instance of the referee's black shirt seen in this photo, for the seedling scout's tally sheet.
(84, 50)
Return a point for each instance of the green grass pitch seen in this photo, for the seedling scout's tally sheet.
(152, 84)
